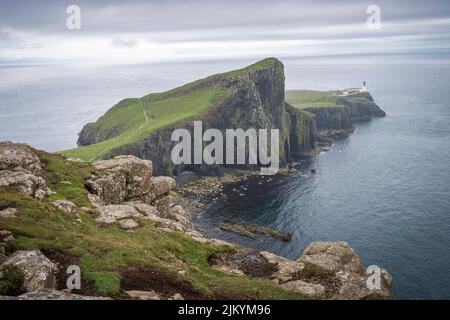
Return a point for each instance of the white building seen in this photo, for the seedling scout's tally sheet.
(350, 91)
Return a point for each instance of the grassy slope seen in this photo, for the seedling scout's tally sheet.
(130, 120)
(103, 252)
(163, 109)
(304, 99)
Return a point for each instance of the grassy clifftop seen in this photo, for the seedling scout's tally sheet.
(131, 120)
(304, 99)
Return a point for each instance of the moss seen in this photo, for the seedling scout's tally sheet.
(312, 271)
(11, 281)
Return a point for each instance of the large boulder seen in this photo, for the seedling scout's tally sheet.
(169, 208)
(26, 183)
(110, 214)
(287, 269)
(332, 256)
(158, 187)
(19, 157)
(38, 270)
(311, 290)
(120, 178)
(21, 170)
(342, 267)
(110, 188)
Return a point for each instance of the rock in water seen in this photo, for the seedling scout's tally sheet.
(39, 271)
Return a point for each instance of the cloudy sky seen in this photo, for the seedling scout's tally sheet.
(138, 31)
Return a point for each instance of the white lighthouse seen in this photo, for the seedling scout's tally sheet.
(364, 87)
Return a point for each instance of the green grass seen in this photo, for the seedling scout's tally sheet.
(102, 253)
(125, 124)
(304, 99)
(128, 119)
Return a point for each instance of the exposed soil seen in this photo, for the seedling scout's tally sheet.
(147, 278)
(251, 263)
(63, 260)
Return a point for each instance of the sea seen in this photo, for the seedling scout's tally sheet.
(385, 189)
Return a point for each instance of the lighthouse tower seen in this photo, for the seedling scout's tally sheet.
(364, 87)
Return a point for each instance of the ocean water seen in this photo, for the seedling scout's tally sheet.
(385, 189)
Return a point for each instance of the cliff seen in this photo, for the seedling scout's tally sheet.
(335, 113)
(252, 97)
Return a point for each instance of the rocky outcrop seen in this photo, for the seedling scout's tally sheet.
(126, 178)
(148, 196)
(325, 270)
(340, 119)
(38, 270)
(21, 170)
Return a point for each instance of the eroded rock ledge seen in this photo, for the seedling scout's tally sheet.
(123, 191)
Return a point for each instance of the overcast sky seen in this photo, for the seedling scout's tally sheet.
(138, 31)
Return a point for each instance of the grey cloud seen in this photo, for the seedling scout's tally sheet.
(120, 42)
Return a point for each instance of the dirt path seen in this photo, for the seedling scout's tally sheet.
(131, 134)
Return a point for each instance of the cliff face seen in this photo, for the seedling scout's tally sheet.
(256, 99)
(360, 107)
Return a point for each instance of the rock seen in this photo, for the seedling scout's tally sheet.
(332, 256)
(169, 208)
(7, 239)
(143, 295)
(39, 271)
(110, 188)
(26, 183)
(313, 171)
(108, 215)
(68, 207)
(158, 187)
(8, 213)
(228, 269)
(121, 177)
(356, 287)
(287, 269)
(95, 200)
(143, 208)
(51, 294)
(3, 258)
(21, 169)
(19, 157)
(177, 296)
(128, 224)
(5, 234)
(308, 289)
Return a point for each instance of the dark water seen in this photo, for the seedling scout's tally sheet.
(385, 189)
